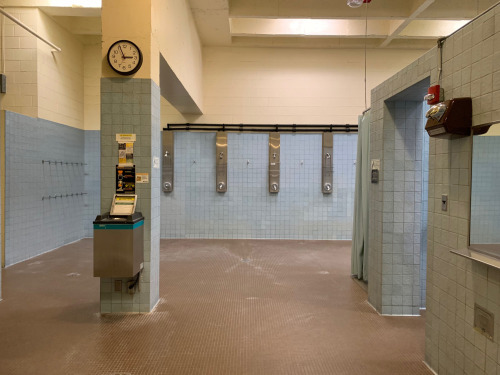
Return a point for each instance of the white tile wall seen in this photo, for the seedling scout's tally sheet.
(454, 284)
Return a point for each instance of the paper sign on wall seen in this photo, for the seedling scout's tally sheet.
(126, 153)
(124, 138)
(142, 178)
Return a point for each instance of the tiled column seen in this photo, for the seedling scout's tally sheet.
(133, 106)
(395, 254)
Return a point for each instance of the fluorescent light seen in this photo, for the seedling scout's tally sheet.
(76, 3)
(307, 27)
(341, 28)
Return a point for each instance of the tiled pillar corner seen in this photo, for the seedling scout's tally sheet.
(395, 262)
(133, 106)
(454, 284)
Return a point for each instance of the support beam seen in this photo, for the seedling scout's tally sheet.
(419, 7)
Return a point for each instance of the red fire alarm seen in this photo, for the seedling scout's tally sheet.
(367, 1)
(434, 95)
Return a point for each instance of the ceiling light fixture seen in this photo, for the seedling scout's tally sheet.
(357, 3)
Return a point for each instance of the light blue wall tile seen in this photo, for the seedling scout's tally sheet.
(34, 225)
(92, 200)
(247, 210)
(133, 106)
(404, 203)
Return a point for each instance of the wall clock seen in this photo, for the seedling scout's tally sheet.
(124, 57)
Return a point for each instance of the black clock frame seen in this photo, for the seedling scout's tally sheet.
(139, 62)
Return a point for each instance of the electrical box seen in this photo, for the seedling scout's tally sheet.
(375, 170)
(3, 83)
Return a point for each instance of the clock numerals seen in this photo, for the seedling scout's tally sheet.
(122, 51)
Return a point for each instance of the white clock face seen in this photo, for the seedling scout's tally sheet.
(124, 57)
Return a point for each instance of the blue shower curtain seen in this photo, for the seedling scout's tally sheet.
(359, 255)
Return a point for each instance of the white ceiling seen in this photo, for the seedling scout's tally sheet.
(413, 24)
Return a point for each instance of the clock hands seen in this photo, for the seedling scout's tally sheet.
(123, 55)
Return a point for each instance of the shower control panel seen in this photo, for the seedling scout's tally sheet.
(327, 164)
(274, 162)
(221, 162)
(168, 161)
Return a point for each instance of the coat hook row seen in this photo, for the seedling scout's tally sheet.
(62, 196)
(62, 162)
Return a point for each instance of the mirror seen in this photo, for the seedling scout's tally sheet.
(485, 192)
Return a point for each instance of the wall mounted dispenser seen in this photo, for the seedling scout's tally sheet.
(450, 118)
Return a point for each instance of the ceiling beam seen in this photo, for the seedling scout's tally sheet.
(418, 7)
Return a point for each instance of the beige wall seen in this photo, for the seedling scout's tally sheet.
(264, 85)
(165, 27)
(131, 20)
(92, 86)
(176, 38)
(60, 75)
(41, 82)
(19, 63)
(494, 130)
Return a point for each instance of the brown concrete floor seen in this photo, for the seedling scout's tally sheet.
(227, 307)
